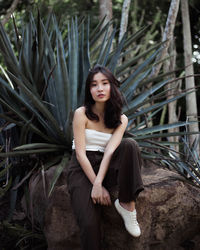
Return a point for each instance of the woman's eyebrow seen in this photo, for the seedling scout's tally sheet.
(101, 80)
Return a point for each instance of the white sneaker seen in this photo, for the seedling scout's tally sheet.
(130, 220)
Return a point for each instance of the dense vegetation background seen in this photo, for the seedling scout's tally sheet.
(141, 13)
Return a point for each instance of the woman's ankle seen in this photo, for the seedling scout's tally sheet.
(130, 206)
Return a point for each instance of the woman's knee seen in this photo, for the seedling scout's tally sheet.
(129, 143)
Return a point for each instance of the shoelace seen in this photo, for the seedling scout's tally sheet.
(133, 219)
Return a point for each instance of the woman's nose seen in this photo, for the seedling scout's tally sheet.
(100, 87)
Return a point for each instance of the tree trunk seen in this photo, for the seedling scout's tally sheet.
(124, 18)
(105, 7)
(191, 102)
(173, 88)
(10, 11)
(167, 35)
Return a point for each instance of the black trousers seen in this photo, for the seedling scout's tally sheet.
(124, 171)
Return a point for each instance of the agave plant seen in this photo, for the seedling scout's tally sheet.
(188, 164)
(43, 83)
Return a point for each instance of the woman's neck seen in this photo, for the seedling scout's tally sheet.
(99, 109)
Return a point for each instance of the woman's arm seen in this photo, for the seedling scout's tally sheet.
(110, 148)
(98, 194)
(79, 123)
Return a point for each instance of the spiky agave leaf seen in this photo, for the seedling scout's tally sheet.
(49, 81)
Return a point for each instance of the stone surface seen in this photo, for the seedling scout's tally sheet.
(168, 212)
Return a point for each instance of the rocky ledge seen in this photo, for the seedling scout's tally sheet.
(168, 211)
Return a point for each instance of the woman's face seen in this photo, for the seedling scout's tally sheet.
(100, 88)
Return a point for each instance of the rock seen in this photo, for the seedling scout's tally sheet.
(168, 211)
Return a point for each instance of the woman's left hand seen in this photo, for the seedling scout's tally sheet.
(106, 197)
(100, 195)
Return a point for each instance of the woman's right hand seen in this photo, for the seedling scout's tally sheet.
(100, 195)
(106, 197)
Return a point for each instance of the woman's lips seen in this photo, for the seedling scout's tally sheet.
(101, 95)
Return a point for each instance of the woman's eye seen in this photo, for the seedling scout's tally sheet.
(93, 85)
(105, 83)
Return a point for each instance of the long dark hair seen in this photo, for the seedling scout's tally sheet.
(113, 107)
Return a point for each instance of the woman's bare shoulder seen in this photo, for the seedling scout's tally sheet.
(79, 114)
(80, 110)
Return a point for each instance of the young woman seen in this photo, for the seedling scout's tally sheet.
(102, 159)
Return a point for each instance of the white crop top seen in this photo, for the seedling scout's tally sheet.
(95, 140)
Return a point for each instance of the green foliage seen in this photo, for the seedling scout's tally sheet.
(15, 236)
(191, 170)
(47, 73)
